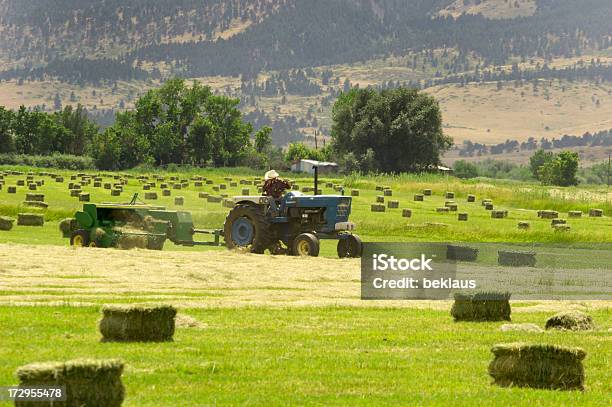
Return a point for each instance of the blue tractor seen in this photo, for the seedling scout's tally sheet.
(295, 224)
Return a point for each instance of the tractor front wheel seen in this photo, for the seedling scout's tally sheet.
(305, 244)
(79, 238)
(247, 228)
(350, 246)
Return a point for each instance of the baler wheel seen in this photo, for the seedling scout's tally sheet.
(305, 244)
(79, 238)
(247, 228)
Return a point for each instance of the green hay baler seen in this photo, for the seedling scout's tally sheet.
(132, 225)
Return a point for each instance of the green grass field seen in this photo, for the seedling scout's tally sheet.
(520, 199)
(276, 330)
(312, 356)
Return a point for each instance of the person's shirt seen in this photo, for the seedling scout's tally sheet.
(275, 187)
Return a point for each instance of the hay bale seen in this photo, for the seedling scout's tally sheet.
(462, 217)
(177, 186)
(354, 192)
(245, 191)
(452, 207)
(151, 196)
(11, 189)
(524, 225)
(128, 241)
(68, 225)
(562, 228)
(450, 195)
(84, 197)
(35, 204)
(137, 323)
(498, 214)
(388, 192)
(214, 199)
(418, 197)
(233, 184)
(35, 197)
(6, 223)
(146, 187)
(520, 328)
(198, 184)
(570, 321)
(427, 192)
(537, 366)
(222, 186)
(461, 253)
(209, 182)
(166, 192)
(116, 192)
(471, 198)
(486, 202)
(442, 210)
(228, 203)
(378, 208)
(481, 307)
(203, 195)
(595, 213)
(20, 183)
(489, 207)
(380, 188)
(548, 214)
(32, 187)
(30, 219)
(393, 204)
(216, 188)
(108, 185)
(75, 192)
(574, 214)
(407, 213)
(516, 258)
(179, 200)
(59, 179)
(295, 187)
(87, 382)
(558, 222)
(380, 199)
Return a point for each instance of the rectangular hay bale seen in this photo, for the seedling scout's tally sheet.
(480, 307)
(539, 366)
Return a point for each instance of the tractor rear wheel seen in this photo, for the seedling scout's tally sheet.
(305, 244)
(350, 246)
(246, 227)
(79, 238)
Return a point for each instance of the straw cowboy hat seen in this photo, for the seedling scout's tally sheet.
(271, 175)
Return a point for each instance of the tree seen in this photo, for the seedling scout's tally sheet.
(402, 128)
(177, 123)
(464, 169)
(299, 151)
(561, 170)
(7, 144)
(263, 139)
(538, 160)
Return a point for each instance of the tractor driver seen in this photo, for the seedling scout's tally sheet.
(274, 187)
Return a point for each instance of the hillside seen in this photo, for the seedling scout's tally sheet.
(501, 69)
